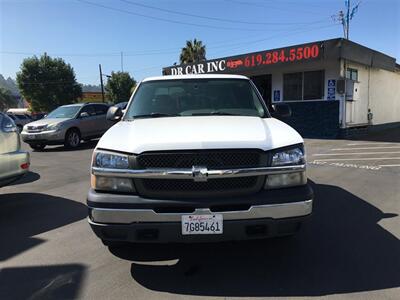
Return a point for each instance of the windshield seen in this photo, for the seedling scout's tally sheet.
(64, 112)
(195, 97)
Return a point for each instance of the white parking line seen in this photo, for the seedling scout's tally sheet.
(363, 148)
(358, 153)
(364, 144)
(366, 158)
(389, 165)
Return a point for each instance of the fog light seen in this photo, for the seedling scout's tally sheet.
(285, 180)
(104, 183)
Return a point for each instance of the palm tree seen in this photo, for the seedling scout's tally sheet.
(193, 52)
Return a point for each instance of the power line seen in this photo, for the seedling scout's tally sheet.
(167, 20)
(257, 4)
(214, 18)
(284, 35)
(219, 44)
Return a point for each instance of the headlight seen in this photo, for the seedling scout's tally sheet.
(116, 184)
(53, 126)
(110, 160)
(293, 156)
(285, 180)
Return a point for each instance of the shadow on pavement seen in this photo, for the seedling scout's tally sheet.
(27, 178)
(24, 215)
(83, 146)
(341, 250)
(388, 136)
(41, 282)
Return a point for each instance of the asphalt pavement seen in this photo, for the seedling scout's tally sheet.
(350, 248)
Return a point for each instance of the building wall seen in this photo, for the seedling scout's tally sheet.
(332, 71)
(384, 96)
(312, 118)
(378, 92)
(357, 110)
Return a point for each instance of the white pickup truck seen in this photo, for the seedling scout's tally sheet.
(197, 158)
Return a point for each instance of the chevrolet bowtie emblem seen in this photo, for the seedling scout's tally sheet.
(199, 173)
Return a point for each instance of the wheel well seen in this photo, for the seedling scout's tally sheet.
(73, 128)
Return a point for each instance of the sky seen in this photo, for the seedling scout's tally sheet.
(150, 34)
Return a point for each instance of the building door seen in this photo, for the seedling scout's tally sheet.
(264, 86)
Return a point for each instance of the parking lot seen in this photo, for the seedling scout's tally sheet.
(349, 249)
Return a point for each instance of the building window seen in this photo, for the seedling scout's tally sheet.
(303, 85)
(313, 85)
(293, 86)
(352, 74)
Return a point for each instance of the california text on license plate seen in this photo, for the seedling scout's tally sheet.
(202, 224)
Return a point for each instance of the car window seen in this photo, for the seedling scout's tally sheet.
(69, 111)
(11, 116)
(23, 117)
(6, 123)
(89, 109)
(196, 97)
(100, 109)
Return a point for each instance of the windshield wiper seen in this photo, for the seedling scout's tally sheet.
(155, 115)
(215, 113)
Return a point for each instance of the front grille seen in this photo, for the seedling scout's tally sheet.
(211, 159)
(36, 128)
(223, 184)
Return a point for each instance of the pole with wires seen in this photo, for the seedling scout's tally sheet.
(122, 61)
(101, 83)
(345, 18)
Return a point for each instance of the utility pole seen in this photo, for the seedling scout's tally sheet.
(122, 61)
(345, 18)
(348, 19)
(101, 83)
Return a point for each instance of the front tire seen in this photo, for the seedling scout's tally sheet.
(37, 147)
(72, 139)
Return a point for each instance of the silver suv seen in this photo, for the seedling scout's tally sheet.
(68, 125)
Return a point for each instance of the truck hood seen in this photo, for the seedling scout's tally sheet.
(200, 132)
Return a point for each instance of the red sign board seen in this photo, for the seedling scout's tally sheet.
(251, 61)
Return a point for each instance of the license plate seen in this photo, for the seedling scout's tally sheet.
(202, 224)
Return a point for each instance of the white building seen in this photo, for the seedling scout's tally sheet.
(332, 86)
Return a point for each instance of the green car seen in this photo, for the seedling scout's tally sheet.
(14, 163)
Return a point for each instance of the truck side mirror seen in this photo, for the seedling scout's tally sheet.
(281, 110)
(114, 113)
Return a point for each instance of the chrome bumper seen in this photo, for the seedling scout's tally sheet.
(51, 135)
(273, 211)
(185, 173)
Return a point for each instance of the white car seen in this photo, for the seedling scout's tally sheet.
(197, 158)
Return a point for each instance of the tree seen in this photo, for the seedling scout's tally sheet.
(47, 83)
(193, 52)
(119, 86)
(6, 99)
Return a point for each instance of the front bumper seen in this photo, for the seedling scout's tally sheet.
(132, 218)
(170, 232)
(49, 137)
